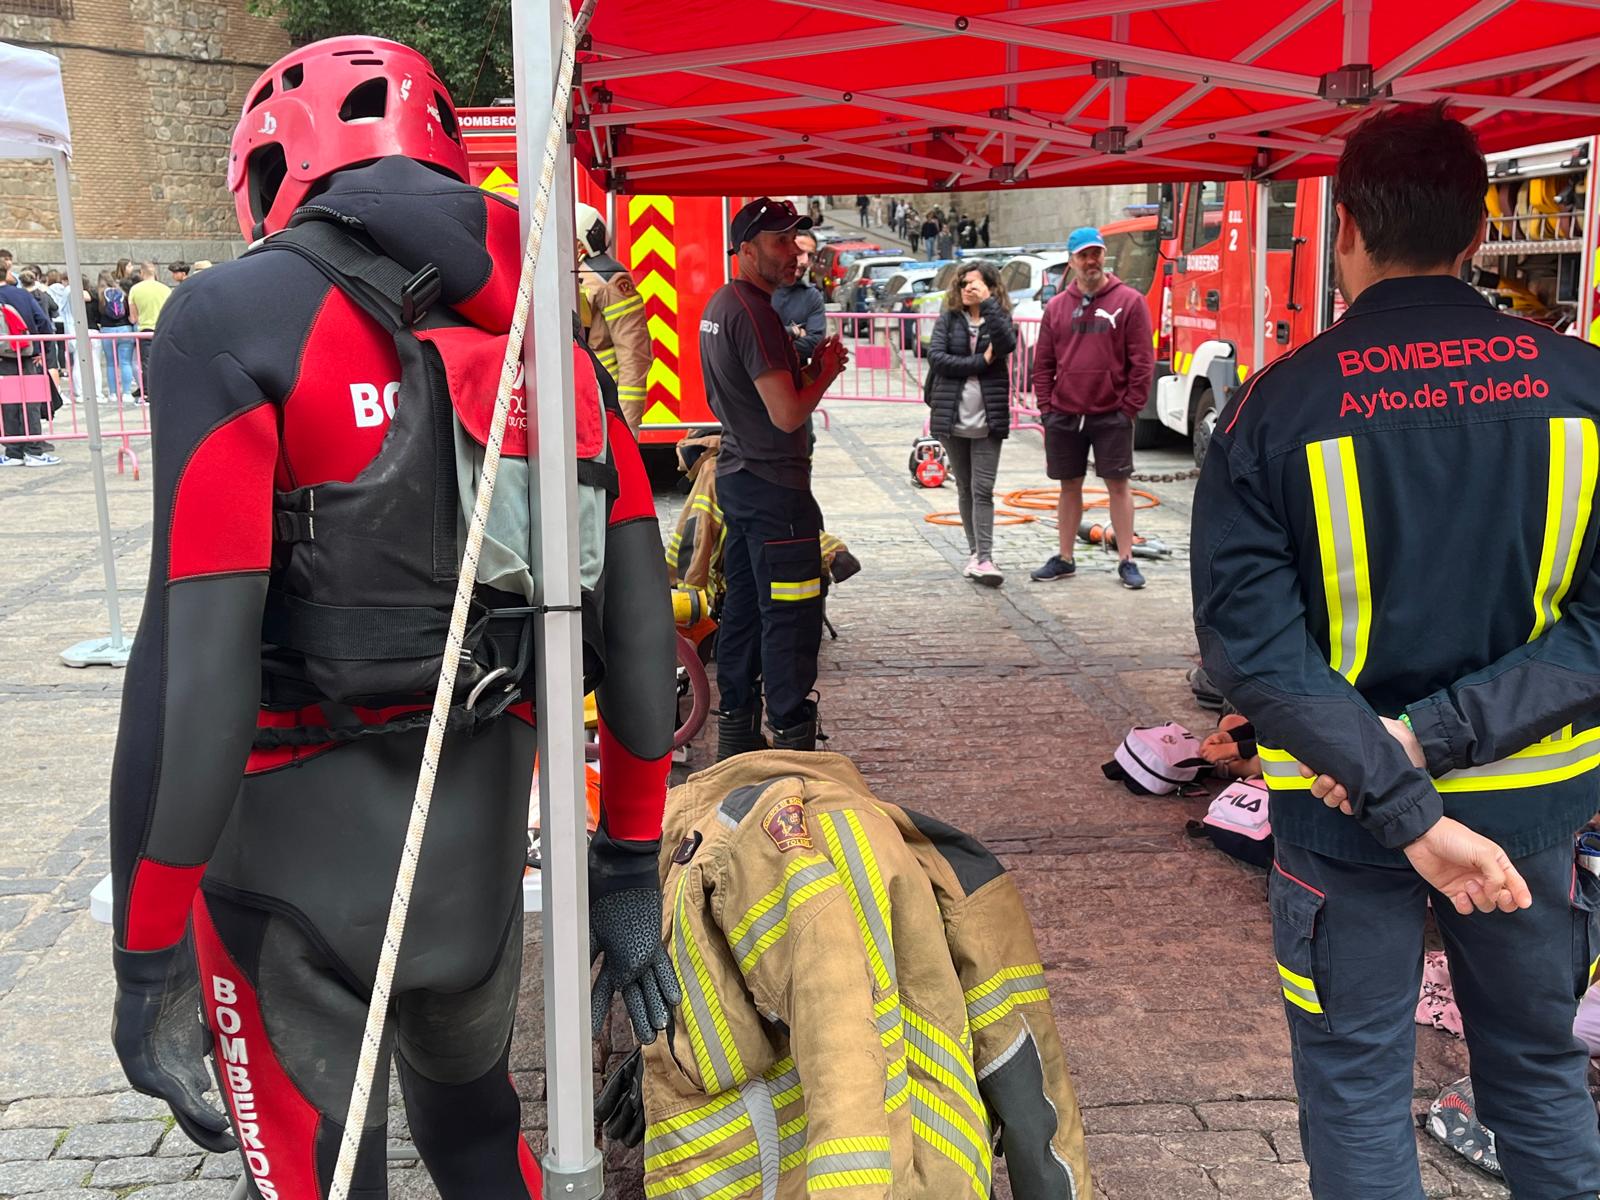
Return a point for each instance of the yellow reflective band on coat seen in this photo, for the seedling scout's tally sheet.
(892, 1036)
(856, 864)
(682, 1137)
(996, 996)
(1594, 969)
(937, 1056)
(797, 589)
(1574, 458)
(1342, 540)
(848, 1162)
(720, 1178)
(715, 1053)
(1546, 762)
(937, 1124)
(634, 303)
(1299, 990)
(608, 359)
(768, 919)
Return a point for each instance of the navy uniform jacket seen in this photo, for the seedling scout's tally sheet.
(1399, 517)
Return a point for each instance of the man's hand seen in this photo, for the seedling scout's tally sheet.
(156, 1029)
(1468, 868)
(797, 331)
(831, 359)
(1334, 794)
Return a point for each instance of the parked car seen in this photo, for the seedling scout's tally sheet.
(864, 278)
(929, 303)
(834, 259)
(900, 294)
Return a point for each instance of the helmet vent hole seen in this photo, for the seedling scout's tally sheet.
(261, 96)
(447, 117)
(366, 102)
(293, 77)
(366, 62)
(349, 53)
(265, 173)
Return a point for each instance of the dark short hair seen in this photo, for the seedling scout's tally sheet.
(1413, 180)
(174, 268)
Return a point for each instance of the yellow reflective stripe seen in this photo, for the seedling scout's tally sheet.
(1311, 1006)
(796, 589)
(996, 996)
(720, 1177)
(941, 1059)
(1342, 541)
(1542, 763)
(666, 1149)
(719, 1062)
(608, 360)
(875, 922)
(1594, 968)
(765, 924)
(936, 1123)
(1300, 980)
(1574, 459)
(683, 1120)
(621, 308)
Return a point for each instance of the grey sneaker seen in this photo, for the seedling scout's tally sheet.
(1128, 572)
(40, 460)
(1055, 568)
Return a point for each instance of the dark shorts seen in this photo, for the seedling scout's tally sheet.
(1068, 438)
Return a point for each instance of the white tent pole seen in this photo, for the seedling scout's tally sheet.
(114, 651)
(1258, 300)
(727, 261)
(572, 1165)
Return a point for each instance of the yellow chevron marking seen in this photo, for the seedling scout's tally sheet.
(653, 287)
(662, 331)
(664, 375)
(498, 181)
(660, 414)
(639, 205)
(653, 241)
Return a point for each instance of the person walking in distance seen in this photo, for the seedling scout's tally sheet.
(929, 231)
(145, 301)
(1429, 649)
(1092, 370)
(772, 558)
(117, 345)
(971, 401)
(863, 204)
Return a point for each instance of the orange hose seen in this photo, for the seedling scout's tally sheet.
(1002, 516)
(1041, 499)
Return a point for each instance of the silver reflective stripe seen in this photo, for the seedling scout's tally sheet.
(1007, 1054)
(745, 1172)
(974, 1159)
(1305, 993)
(1001, 996)
(705, 1028)
(1525, 762)
(855, 1160)
(723, 1119)
(1571, 499)
(844, 837)
(780, 911)
(1347, 592)
(764, 1120)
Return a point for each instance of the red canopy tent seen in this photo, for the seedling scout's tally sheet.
(834, 96)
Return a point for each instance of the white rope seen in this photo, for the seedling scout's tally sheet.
(400, 902)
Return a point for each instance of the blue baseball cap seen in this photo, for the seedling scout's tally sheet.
(1084, 237)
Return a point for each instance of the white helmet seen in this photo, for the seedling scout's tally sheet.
(591, 229)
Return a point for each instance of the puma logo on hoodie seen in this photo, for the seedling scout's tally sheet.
(1095, 354)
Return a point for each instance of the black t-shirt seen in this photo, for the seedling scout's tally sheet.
(742, 337)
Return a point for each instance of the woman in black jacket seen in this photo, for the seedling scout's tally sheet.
(970, 395)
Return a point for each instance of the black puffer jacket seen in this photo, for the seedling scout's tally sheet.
(954, 359)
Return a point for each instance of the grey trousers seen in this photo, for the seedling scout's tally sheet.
(975, 462)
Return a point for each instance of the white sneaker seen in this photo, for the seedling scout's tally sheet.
(8, 461)
(40, 460)
(970, 569)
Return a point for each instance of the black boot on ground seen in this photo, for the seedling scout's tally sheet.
(803, 734)
(739, 732)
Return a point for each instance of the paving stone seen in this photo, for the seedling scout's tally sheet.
(71, 1194)
(27, 1144)
(27, 887)
(1213, 1149)
(128, 1139)
(200, 1189)
(1144, 1182)
(120, 1172)
(1251, 1114)
(1287, 1145)
(68, 1111)
(41, 932)
(11, 968)
(19, 1178)
(1140, 1118)
(12, 910)
(1263, 1181)
(221, 1166)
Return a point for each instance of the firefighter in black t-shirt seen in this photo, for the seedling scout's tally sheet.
(772, 559)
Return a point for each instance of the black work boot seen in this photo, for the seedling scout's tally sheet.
(739, 732)
(803, 734)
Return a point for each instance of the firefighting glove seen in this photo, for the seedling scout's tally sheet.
(160, 1040)
(620, 1105)
(625, 931)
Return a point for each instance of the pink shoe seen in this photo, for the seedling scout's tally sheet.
(986, 573)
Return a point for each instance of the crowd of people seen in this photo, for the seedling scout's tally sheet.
(120, 304)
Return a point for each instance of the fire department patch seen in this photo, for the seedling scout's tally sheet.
(786, 825)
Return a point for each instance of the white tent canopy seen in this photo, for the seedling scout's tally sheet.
(33, 124)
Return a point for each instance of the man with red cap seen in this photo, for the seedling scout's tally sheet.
(336, 382)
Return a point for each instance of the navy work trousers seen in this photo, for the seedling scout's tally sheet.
(1349, 939)
(772, 612)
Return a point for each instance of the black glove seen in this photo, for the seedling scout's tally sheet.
(161, 1041)
(620, 1105)
(625, 929)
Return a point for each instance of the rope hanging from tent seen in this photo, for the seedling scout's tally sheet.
(405, 877)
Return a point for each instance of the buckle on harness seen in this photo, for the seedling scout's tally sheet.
(419, 294)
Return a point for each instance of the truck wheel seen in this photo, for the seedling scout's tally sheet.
(1202, 423)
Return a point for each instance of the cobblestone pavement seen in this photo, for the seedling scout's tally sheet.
(989, 709)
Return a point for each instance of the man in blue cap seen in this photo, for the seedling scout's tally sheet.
(1091, 374)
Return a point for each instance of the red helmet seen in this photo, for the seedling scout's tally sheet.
(329, 105)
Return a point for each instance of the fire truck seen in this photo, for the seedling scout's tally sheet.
(674, 246)
(1538, 259)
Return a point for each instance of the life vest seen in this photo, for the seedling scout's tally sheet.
(364, 572)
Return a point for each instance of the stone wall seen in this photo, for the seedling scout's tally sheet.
(153, 90)
(1022, 215)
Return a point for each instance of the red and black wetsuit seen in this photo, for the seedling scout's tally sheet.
(276, 380)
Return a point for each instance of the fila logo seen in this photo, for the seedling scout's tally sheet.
(1110, 316)
(269, 124)
(371, 405)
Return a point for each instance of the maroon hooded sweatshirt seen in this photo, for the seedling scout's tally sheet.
(1095, 355)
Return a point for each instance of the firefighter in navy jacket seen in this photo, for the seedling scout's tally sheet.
(243, 838)
(1395, 578)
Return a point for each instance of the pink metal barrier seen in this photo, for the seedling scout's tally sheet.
(42, 393)
(889, 361)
